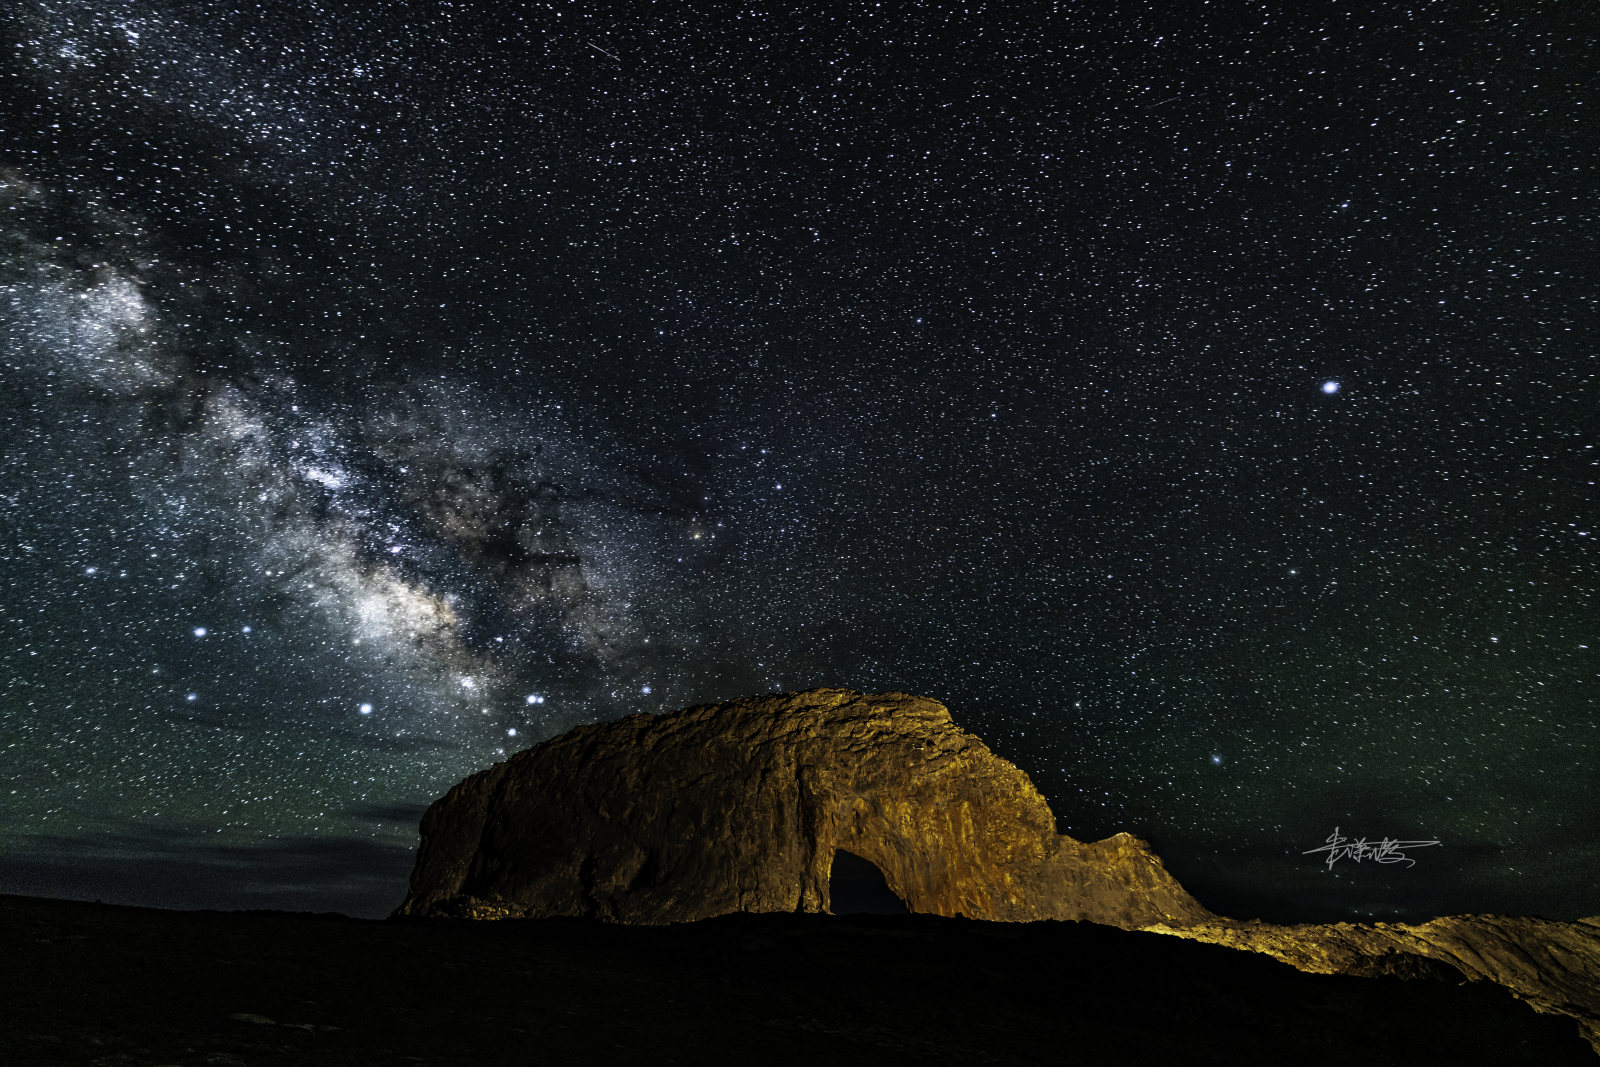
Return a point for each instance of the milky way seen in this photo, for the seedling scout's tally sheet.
(1203, 410)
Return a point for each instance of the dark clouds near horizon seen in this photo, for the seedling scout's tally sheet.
(380, 380)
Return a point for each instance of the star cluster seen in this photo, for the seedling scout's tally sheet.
(1201, 406)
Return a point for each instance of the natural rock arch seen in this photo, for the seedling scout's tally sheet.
(740, 807)
(857, 886)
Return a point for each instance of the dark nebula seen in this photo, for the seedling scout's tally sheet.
(1203, 407)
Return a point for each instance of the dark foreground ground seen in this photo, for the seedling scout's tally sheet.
(96, 984)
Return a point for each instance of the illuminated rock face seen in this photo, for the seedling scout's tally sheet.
(740, 807)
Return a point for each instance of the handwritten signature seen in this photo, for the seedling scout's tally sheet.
(1387, 850)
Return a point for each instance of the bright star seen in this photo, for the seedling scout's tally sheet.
(365, 709)
(1330, 387)
(199, 631)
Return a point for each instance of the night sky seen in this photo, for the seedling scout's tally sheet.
(1201, 401)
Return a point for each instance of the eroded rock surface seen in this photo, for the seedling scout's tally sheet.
(740, 807)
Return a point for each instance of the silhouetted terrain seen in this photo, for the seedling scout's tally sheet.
(97, 984)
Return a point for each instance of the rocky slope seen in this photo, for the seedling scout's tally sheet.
(1554, 966)
(740, 807)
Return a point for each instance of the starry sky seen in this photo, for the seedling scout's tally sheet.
(1200, 401)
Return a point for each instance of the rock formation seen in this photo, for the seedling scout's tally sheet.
(740, 807)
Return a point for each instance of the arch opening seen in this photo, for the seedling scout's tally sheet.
(857, 887)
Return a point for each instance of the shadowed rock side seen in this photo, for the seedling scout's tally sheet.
(1553, 966)
(740, 807)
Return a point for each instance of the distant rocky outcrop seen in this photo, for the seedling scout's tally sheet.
(740, 807)
(1554, 966)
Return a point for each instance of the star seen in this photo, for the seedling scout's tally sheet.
(438, 430)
